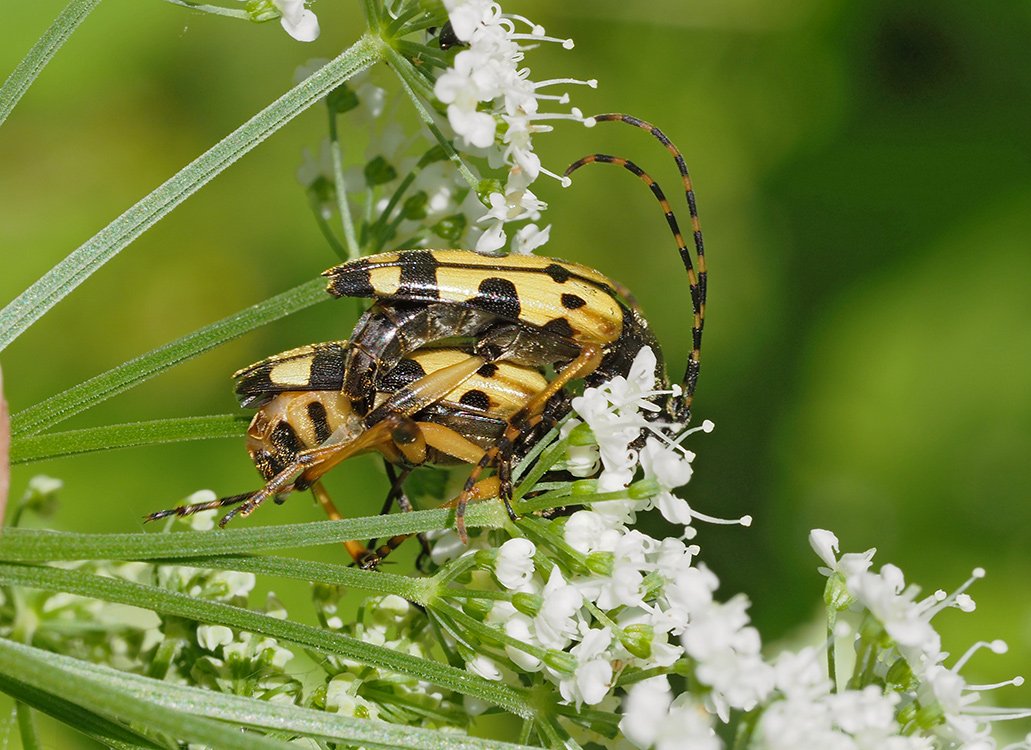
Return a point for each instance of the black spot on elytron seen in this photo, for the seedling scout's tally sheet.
(404, 373)
(317, 415)
(559, 327)
(488, 370)
(498, 296)
(327, 367)
(285, 440)
(475, 399)
(573, 301)
(351, 280)
(418, 275)
(557, 273)
(255, 388)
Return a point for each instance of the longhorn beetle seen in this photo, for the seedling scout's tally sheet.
(447, 364)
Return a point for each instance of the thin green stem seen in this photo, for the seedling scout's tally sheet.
(26, 727)
(344, 208)
(487, 633)
(91, 392)
(42, 52)
(35, 301)
(215, 10)
(402, 67)
(111, 437)
(327, 231)
(180, 605)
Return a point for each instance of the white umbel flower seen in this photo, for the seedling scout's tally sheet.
(299, 22)
(514, 564)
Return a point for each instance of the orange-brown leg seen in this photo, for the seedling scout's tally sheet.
(482, 490)
(447, 441)
(519, 425)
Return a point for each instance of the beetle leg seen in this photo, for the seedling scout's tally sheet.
(518, 425)
(189, 510)
(309, 466)
(482, 490)
(397, 494)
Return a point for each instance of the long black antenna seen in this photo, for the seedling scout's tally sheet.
(681, 406)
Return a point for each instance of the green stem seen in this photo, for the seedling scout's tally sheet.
(215, 10)
(35, 301)
(42, 52)
(346, 220)
(401, 66)
(180, 605)
(111, 437)
(487, 633)
(327, 231)
(26, 727)
(832, 667)
(91, 392)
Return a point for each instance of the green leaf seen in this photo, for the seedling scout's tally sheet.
(418, 590)
(41, 53)
(99, 728)
(101, 387)
(180, 700)
(31, 304)
(180, 605)
(110, 437)
(50, 673)
(32, 545)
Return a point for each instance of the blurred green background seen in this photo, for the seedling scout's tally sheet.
(863, 173)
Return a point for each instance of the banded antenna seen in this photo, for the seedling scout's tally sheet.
(680, 406)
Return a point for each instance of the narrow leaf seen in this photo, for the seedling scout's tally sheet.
(418, 590)
(41, 53)
(169, 697)
(323, 641)
(109, 437)
(33, 545)
(40, 669)
(101, 387)
(99, 728)
(31, 304)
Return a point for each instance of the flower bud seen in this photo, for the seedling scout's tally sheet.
(527, 604)
(836, 595)
(601, 563)
(560, 661)
(414, 207)
(643, 489)
(478, 608)
(637, 639)
(583, 487)
(450, 228)
(582, 435)
(262, 10)
(486, 187)
(485, 558)
(342, 99)
(379, 171)
(900, 675)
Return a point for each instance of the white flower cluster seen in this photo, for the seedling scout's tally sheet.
(494, 107)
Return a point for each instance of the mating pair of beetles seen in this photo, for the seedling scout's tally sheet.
(462, 358)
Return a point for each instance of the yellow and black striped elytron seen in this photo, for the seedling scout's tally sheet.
(462, 358)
